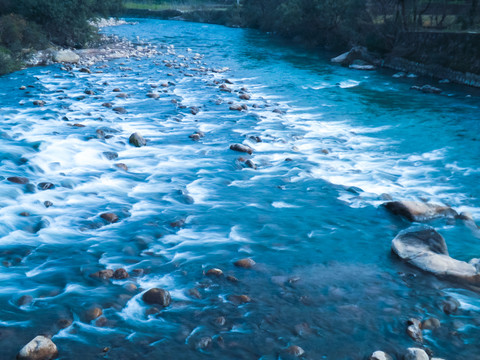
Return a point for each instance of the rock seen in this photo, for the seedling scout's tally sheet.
(122, 96)
(137, 140)
(39, 103)
(414, 331)
(66, 56)
(356, 53)
(450, 306)
(204, 342)
(24, 300)
(153, 95)
(380, 355)
(109, 217)
(45, 186)
(23, 87)
(427, 89)
(236, 107)
(156, 296)
(415, 354)
(47, 203)
(40, 348)
(232, 279)
(220, 321)
(120, 110)
(250, 164)
(194, 110)
(89, 92)
(241, 148)
(122, 166)
(195, 293)
(107, 105)
(431, 324)
(426, 249)
(120, 274)
(103, 274)
(295, 350)
(240, 299)
(93, 313)
(18, 180)
(85, 70)
(245, 96)
(246, 263)
(110, 155)
(214, 272)
(365, 67)
(177, 223)
(419, 211)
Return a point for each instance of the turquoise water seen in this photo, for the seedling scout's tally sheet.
(325, 279)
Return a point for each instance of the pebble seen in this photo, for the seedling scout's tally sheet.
(109, 217)
(246, 263)
(156, 296)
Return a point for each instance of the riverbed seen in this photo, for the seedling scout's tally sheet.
(330, 146)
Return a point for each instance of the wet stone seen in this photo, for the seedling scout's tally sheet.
(295, 350)
(241, 148)
(251, 164)
(120, 110)
(244, 97)
(214, 272)
(122, 166)
(450, 306)
(39, 103)
(47, 203)
(194, 293)
(40, 348)
(110, 155)
(120, 274)
(156, 296)
(107, 105)
(416, 354)
(177, 223)
(109, 217)
(93, 313)
(204, 343)
(24, 300)
(240, 299)
(380, 355)
(137, 140)
(45, 186)
(85, 70)
(245, 263)
(18, 180)
(89, 92)
(431, 324)
(103, 274)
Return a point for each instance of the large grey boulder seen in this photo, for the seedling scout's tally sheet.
(426, 249)
(380, 355)
(416, 354)
(66, 56)
(420, 211)
(40, 348)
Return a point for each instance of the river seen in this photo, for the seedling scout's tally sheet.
(335, 143)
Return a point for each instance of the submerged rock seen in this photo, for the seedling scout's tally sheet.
(156, 296)
(45, 186)
(214, 272)
(414, 331)
(40, 348)
(103, 274)
(295, 350)
(137, 140)
(426, 249)
(120, 274)
(419, 211)
(109, 217)
(431, 324)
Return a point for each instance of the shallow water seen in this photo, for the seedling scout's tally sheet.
(325, 279)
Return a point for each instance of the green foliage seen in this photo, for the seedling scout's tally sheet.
(17, 33)
(7, 61)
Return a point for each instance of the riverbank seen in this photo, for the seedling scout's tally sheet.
(445, 56)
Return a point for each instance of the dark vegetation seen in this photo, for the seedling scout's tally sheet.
(28, 25)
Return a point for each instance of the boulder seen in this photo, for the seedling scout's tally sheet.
(416, 354)
(431, 324)
(18, 180)
(356, 53)
(103, 274)
(380, 355)
(424, 248)
(137, 140)
(40, 348)
(414, 331)
(66, 56)
(109, 217)
(246, 263)
(156, 296)
(420, 211)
